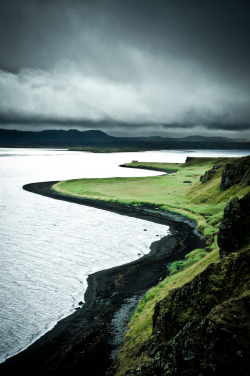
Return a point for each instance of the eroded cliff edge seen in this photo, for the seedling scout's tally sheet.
(203, 328)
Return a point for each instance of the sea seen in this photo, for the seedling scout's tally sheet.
(49, 247)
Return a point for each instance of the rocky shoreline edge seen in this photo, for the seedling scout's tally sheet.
(87, 340)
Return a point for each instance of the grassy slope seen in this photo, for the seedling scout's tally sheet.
(141, 324)
(203, 202)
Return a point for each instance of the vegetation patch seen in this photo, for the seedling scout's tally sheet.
(190, 259)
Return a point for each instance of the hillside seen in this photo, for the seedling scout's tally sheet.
(52, 137)
(197, 320)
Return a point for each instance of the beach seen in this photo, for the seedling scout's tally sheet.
(87, 340)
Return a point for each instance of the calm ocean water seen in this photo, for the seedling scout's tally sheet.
(48, 247)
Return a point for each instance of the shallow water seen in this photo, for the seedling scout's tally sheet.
(48, 247)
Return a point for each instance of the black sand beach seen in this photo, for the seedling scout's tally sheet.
(87, 340)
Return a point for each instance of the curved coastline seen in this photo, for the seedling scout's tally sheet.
(77, 341)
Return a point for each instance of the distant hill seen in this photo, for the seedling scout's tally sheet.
(73, 134)
(99, 140)
(208, 139)
(52, 135)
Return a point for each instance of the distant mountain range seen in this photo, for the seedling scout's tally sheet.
(100, 140)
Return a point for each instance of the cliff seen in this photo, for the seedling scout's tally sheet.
(235, 173)
(203, 327)
(235, 225)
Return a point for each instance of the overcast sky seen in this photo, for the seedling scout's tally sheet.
(128, 67)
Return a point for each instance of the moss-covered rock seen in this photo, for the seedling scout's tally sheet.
(235, 173)
(209, 175)
(203, 328)
(234, 228)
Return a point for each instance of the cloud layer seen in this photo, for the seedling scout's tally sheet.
(136, 67)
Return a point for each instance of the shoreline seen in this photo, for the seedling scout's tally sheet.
(92, 332)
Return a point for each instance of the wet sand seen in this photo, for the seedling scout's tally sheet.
(88, 340)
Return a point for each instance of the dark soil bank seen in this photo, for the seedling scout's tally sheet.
(87, 340)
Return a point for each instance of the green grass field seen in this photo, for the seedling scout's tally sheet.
(180, 192)
(202, 202)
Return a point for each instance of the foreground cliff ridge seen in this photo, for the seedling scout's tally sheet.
(203, 328)
(234, 228)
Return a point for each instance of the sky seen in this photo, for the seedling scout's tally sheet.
(127, 67)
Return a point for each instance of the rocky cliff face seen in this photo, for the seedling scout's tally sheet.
(209, 175)
(235, 226)
(235, 173)
(203, 328)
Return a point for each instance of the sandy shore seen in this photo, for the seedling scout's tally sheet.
(88, 340)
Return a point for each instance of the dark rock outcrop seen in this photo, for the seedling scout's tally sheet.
(234, 228)
(189, 159)
(235, 173)
(208, 175)
(202, 328)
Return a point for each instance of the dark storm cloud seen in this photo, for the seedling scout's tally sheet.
(217, 126)
(142, 65)
(38, 33)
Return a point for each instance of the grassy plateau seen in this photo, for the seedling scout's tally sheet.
(179, 191)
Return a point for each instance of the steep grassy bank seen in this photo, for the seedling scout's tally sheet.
(199, 189)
